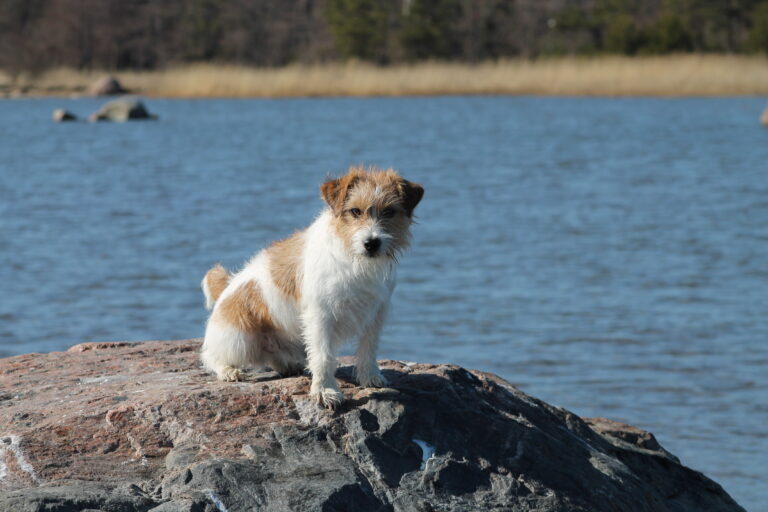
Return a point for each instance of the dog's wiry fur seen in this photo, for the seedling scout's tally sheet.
(299, 299)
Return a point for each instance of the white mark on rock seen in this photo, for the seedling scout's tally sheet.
(216, 501)
(607, 465)
(103, 379)
(138, 449)
(12, 444)
(179, 434)
(427, 452)
(310, 414)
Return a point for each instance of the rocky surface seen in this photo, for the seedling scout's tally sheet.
(60, 115)
(128, 108)
(139, 426)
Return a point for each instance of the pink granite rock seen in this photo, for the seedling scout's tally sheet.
(140, 426)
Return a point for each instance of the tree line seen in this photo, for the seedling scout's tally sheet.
(149, 34)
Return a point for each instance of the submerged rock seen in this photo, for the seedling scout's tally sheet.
(106, 86)
(139, 426)
(61, 114)
(122, 109)
(764, 117)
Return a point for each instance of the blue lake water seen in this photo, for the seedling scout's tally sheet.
(606, 255)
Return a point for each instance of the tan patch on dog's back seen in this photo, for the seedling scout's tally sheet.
(285, 264)
(245, 309)
(216, 279)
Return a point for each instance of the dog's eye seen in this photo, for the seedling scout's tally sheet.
(388, 213)
(355, 212)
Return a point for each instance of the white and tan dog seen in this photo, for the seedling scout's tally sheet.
(300, 299)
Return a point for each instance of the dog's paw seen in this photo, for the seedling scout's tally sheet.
(328, 397)
(373, 380)
(230, 374)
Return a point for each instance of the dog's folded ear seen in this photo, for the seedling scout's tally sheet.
(412, 194)
(334, 192)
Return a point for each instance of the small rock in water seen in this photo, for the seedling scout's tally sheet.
(18, 92)
(61, 114)
(106, 86)
(122, 109)
(764, 117)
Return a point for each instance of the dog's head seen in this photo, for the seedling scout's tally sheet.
(372, 210)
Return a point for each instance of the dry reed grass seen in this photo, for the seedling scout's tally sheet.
(677, 75)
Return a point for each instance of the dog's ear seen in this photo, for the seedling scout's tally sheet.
(412, 194)
(334, 192)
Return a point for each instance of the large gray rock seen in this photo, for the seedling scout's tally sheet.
(60, 115)
(139, 426)
(122, 109)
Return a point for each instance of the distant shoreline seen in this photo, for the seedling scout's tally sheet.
(612, 76)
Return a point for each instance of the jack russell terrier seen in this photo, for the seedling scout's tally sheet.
(297, 301)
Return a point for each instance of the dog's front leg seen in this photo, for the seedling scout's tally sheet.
(366, 369)
(321, 355)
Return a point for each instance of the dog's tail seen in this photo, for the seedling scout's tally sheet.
(213, 284)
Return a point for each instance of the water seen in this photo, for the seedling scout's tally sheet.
(606, 255)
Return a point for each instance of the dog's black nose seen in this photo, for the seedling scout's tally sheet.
(372, 245)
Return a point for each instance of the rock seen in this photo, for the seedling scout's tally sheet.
(61, 114)
(764, 117)
(140, 426)
(122, 109)
(106, 86)
(77, 496)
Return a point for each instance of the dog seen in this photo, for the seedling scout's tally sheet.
(297, 301)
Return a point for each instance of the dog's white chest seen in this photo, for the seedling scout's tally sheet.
(356, 306)
(348, 297)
